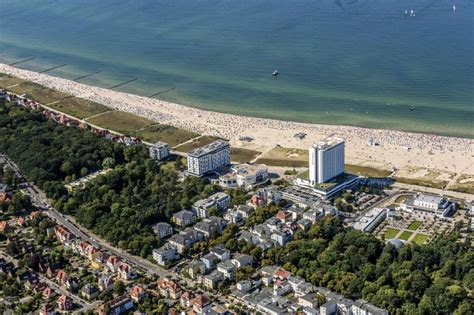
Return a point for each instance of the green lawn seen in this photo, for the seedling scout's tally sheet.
(79, 107)
(7, 80)
(243, 155)
(420, 238)
(391, 233)
(401, 199)
(196, 143)
(439, 184)
(290, 157)
(464, 184)
(38, 92)
(366, 171)
(414, 225)
(121, 122)
(405, 235)
(166, 133)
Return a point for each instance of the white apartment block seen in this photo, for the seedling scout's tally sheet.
(220, 201)
(159, 151)
(326, 160)
(165, 255)
(208, 158)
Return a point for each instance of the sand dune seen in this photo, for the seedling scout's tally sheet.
(396, 148)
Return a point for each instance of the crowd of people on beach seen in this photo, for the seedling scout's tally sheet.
(230, 126)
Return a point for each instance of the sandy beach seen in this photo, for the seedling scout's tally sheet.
(396, 148)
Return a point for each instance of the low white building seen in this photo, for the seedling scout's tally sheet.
(159, 151)
(244, 175)
(437, 204)
(370, 220)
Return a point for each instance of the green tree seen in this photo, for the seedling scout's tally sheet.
(119, 288)
(108, 163)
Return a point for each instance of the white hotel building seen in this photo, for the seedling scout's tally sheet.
(159, 151)
(326, 160)
(208, 158)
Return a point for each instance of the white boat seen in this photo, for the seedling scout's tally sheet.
(275, 73)
(454, 8)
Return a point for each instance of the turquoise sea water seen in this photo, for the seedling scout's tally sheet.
(340, 61)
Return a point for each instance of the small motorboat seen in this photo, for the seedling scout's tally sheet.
(275, 73)
(412, 108)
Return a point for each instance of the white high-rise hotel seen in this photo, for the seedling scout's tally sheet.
(326, 160)
(208, 158)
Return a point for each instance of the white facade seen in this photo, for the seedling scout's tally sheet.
(428, 202)
(371, 219)
(220, 201)
(439, 205)
(165, 255)
(159, 151)
(208, 158)
(244, 175)
(326, 160)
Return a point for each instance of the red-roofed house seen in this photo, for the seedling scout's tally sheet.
(137, 293)
(113, 263)
(256, 201)
(201, 304)
(64, 303)
(61, 277)
(4, 226)
(284, 216)
(63, 235)
(169, 288)
(281, 273)
(21, 221)
(90, 250)
(186, 299)
(4, 197)
(47, 309)
(126, 272)
(48, 293)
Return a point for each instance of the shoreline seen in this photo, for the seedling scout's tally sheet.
(444, 153)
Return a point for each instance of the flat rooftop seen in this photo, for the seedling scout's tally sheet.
(159, 144)
(429, 198)
(249, 169)
(209, 148)
(335, 181)
(328, 143)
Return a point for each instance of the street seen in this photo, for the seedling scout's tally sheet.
(40, 200)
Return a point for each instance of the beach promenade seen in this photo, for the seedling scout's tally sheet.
(395, 149)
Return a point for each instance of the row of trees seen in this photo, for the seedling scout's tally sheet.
(49, 153)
